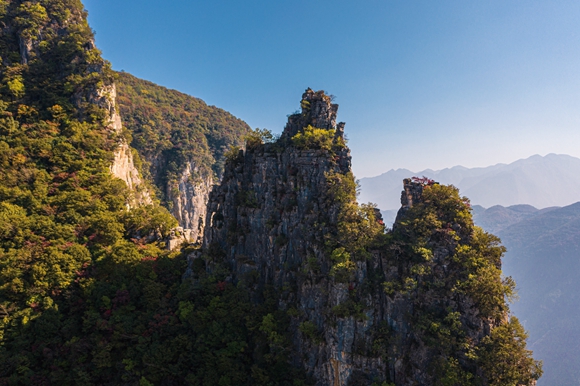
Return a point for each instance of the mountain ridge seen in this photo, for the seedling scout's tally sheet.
(540, 181)
(294, 284)
(543, 256)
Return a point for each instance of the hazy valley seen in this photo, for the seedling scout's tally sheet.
(147, 238)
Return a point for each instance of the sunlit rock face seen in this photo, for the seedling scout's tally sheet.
(189, 198)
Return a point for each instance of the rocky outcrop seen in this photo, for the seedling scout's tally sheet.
(270, 216)
(411, 194)
(189, 198)
(123, 165)
(392, 314)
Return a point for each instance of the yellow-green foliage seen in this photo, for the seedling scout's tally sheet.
(314, 138)
(481, 259)
(341, 187)
(31, 16)
(233, 154)
(441, 207)
(357, 228)
(442, 223)
(258, 137)
(342, 266)
(505, 359)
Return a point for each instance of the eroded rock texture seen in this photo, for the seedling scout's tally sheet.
(397, 313)
(189, 198)
(123, 166)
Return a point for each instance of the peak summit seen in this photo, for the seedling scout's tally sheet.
(317, 111)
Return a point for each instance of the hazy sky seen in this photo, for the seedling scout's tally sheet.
(420, 84)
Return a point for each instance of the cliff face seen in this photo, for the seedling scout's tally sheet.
(270, 216)
(189, 198)
(51, 73)
(182, 142)
(123, 165)
(365, 306)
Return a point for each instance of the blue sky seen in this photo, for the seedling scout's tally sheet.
(420, 84)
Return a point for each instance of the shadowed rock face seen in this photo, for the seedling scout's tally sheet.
(411, 194)
(269, 222)
(270, 217)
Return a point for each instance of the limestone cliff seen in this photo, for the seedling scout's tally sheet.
(123, 166)
(189, 200)
(270, 216)
(181, 141)
(365, 306)
(93, 89)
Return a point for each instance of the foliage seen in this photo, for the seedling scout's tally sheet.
(30, 17)
(310, 330)
(246, 198)
(170, 128)
(357, 229)
(343, 266)
(315, 138)
(232, 154)
(350, 308)
(259, 137)
(438, 230)
(87, 296)
(504, 357)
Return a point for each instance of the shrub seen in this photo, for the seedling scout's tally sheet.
(309, 329)
(258, 137)
(232, 154)
(505, 359)
(314, 138)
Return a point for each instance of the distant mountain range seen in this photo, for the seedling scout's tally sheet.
(543, 245)
(552, 180)
(497, 218)
(544, 258)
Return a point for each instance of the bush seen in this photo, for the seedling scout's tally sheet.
(232, 154)
(314, 138)
(309, 329)
(505, 359)
(258, 137)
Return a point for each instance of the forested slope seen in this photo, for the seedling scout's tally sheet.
(170, 129)
(89, 295)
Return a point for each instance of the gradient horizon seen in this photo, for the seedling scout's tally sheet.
(420, 84)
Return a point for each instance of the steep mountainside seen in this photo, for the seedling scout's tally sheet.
(542, 182)
(182, 142)
(296, 283)
(69, 230)
(423, 304)
(544, 258)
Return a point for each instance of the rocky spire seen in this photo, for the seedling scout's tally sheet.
(381, 311)
(317, 111)
(412, 194)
